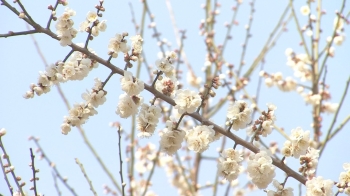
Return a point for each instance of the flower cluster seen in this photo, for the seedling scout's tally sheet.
(263, 126)
(344, 180)
(76, 68)
(260, 169)
(64, 27)
(129, 101)
(130, 86)
(281, 191)
(287, 84)
(298, 143)
(229, 165)
(136, 45)
(92, 20)
(147, 120)
(128, 105)
(187, 101)
(309, 161)
(118, 44)
(167, 85)
(145, 156)
(300, 63)
(171, 139)
(199, 138)
(239, 114)
(165, 64)
(80, 113)
(318, 186)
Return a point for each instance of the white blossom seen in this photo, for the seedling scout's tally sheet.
(305, 10)
(300, 141)
(309, 161)
(118, 44)
(344, 178)
(281, 191)
(260, 169)
(317, 186)
(127, 105)
(129, 86)
(199, 138)
(167, 86)
(187, 101)
(136, 43)
(229, 164)
(102, 25)
(147, 120)
(239, 114)
(170, 140)
(91, 16)
(97, 95)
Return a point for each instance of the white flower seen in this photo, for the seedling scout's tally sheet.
(94, 97)
(94, 31)
(239, 114)
(84, 25)
(127, 105)
(305, 10)
(199, 138)
(260, 169)
(129, 86)
(340, 23)
(187, 101)
(136, 44)
(91, 16)
(118, 44)
(65, 127)
(147, 120)
(281, 191)
(229, 165)
(317, 186)
(344, 178)
(167, 86)
(170, 141)
(2, 132)
(329, 108)
(300, 141)
(102, 26)
(165, 65)
(309, 161)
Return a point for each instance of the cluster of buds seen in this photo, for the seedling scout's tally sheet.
(263, 126)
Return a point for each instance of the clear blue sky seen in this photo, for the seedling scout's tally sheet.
(42, 116)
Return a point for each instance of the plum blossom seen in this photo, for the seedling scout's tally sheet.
(309, 161)
(171, 139)
(118, 44)
(229, 165)
(281, 191)
(239, 114)
(260, 169)
(128, 105)
(298, 144)
(130, 86)
(199, 138)
(344, 179)
(187, 101)
(64, 27)
(317, 186)
(147, 120)
(168, 86)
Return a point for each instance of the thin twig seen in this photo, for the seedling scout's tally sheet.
(34, 171)
(121, 163)
(55, 183)
(86, 176)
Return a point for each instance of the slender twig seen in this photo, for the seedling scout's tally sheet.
(11, 170)
(86, 176)
(11, 33)
(121, 163)
(327, 138)
(107, 79)
(247, 36)
(53, 165)
(298, 28)
(55, 183)
(98, 158)
(148, 182)
(34, 171)
(3, 168)
(51, 15)
(182, 172)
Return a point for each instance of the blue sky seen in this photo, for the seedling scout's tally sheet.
(42, 116)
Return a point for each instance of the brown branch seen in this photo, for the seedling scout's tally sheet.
(32, 156)
(11, 33)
